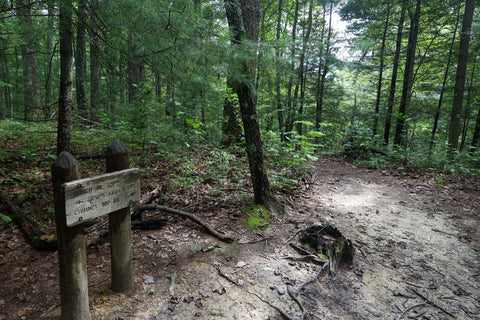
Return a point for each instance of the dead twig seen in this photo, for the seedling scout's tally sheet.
(226, 276)
(432, 303)
(294, 297)
(411, 308)
(308, 257)
(322, 269)
(292, 236)
(282, 313)
(300, 249)
(192, 217)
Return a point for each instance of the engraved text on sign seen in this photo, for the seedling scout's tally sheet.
(90, 198)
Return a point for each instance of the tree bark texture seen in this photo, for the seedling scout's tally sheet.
(249, 21)
(65, 101)
(443, 89)
(49, 85)
(380, 73)
(81, 60)
(400, 129)
(278, 76)
(456, 113)
(393, 82)
(30, 61)
(322, 71)
(94, 66)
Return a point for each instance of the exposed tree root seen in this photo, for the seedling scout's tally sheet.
(192, 217)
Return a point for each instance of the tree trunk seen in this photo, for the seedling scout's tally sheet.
(50, 69)
(281, 123)
(301, 69)
(81, 61)
(231, 126)
(66, 77)
(455, 117)
(380, 73)
(476, 133)
(407, 77)
(442, 91)
(290, 113)
(30, 61)
(248, 22)
(466, 113)
(322, 71)
(393, 82)
(94, 76)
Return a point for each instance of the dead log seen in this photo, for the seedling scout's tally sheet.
(37, 238)
(215, 233)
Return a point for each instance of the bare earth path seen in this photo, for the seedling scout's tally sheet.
(417, 257)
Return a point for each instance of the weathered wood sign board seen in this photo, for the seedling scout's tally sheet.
(89, 198)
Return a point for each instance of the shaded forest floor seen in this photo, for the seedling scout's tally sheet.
(416, 238)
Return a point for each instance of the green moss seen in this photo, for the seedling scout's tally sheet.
(258, 217)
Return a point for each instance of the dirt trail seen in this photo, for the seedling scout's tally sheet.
(417, 256)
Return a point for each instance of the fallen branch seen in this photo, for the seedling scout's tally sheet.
(192, 217)
(153, 206)
(150, 196)
(29, 228)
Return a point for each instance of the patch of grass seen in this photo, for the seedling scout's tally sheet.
(258, 217)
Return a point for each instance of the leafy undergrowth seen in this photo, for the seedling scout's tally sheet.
(180, 171)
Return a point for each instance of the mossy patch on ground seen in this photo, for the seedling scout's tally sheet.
(258, 217)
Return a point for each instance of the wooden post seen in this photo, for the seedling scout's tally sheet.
(72, 255)
(120, 226)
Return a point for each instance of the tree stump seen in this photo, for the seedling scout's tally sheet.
(327, 240)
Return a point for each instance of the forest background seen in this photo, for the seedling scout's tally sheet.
(399, 87)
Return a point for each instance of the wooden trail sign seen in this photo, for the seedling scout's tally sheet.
(78, 200)
(89, 198)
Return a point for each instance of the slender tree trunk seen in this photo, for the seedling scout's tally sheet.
(322, 71)
(442, 91)
(281, 124)
(290, 113)
(408, 77)
(95, 74)
(393, 82)
(476, 134)
(249, 22)
(66, 77)
(49, 84)
(301, 69)
(380, 73)
(231, 125)
(466, 113)
(318, 88)
(30, 61)
(81, 61)
(6, 101)
(455, 117)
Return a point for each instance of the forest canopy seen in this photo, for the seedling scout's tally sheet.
(399, 84)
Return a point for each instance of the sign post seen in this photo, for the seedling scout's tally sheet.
(79, 200)
(72, 257)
